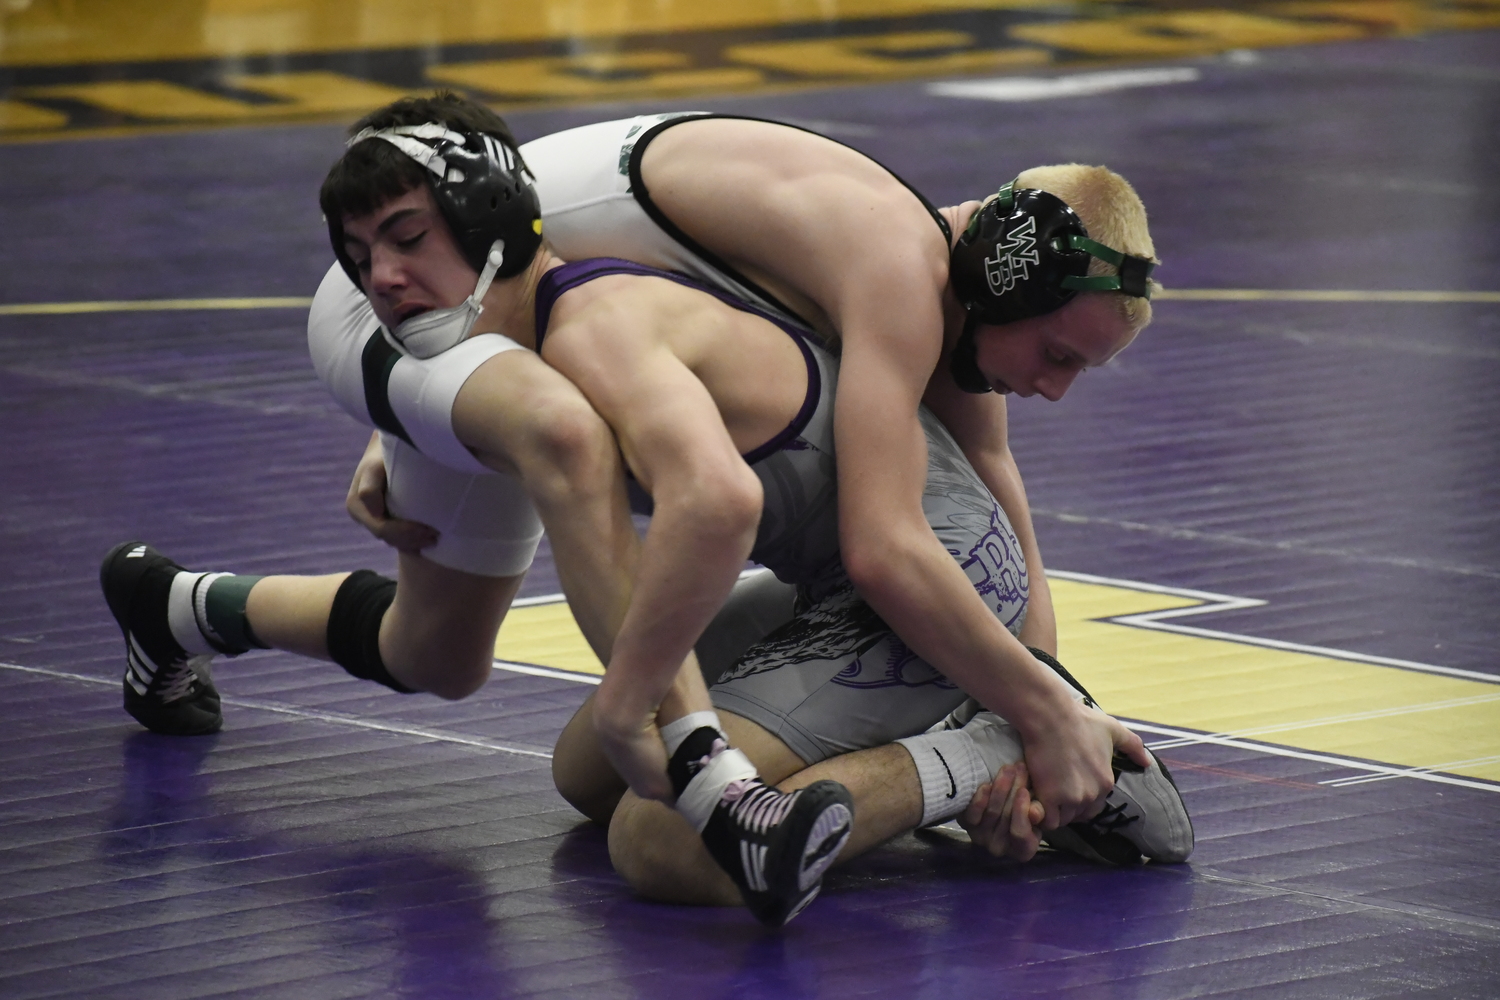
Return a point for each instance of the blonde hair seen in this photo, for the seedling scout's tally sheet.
(1113, 214)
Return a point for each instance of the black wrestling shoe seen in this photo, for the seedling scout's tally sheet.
(777, 845)
(1143, 816)
(166, 689)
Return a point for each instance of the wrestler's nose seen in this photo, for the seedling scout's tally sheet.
(1055, 384)
(385, 271)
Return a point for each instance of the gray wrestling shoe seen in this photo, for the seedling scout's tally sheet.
(166, 690)
(1143, 817)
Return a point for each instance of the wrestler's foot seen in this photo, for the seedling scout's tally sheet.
(997, 741)
(1143, 816)
(167, 690)
(777, 845)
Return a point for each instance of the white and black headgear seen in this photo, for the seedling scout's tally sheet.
(1026, 253)
(481, 186)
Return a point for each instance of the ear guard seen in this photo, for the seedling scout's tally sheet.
(1025, 254)
(479, 184)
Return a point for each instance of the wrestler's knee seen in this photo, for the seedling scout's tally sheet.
(439, 633)
(626, 852)
(451, 659)
(595, 798)
(449, 665)
(581, 772)
(455, 680)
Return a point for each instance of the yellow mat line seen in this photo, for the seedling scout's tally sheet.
(1180, 294)
(149, 305)
(1383, 713)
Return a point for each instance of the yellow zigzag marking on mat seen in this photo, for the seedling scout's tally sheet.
(1127, 643)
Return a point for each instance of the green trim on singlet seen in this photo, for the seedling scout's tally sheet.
(376, 363)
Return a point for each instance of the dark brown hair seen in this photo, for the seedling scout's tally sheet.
(370, 174)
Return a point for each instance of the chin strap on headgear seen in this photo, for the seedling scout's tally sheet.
(964, 362)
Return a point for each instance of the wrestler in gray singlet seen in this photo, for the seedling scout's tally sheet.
(835, 678)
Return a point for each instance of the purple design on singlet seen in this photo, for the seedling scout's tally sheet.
(562, 279)
(890, 663)
(992, 565)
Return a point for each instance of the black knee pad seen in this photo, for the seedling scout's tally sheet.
(354, 627)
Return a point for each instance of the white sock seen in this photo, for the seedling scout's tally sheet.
(186, 613)
(673, 733)
(996, 740)
(950, 768)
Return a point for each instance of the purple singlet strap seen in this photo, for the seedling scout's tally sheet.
(580, 272)
(569, 276)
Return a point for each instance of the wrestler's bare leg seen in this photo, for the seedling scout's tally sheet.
(583, 774)
(291, 612)
(437, 636)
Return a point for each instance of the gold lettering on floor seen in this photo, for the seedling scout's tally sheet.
(1185, 33)
(150, 99)
(531, 51)
(318, 92)
(593, 75)
(881, 56)
(1399, 16)
(21, 117)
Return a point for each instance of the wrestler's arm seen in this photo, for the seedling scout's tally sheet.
(707, 503)
(978, 425)
(366, 504)
(515, 413)
(907, 576)
(886, 301)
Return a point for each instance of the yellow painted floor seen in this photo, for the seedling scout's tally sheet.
(1316, 703)
(90, 66)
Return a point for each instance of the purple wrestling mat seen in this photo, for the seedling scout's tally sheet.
(1336, 460)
